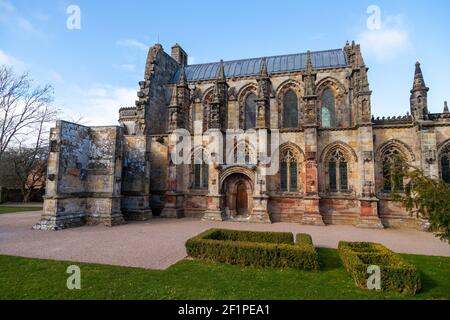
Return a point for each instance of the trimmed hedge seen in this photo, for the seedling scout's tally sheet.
(250, 236)
(396, 273)
(247, 248)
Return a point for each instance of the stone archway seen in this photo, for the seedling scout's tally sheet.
(238, 191)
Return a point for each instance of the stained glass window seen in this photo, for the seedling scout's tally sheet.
(283, 176)
(328, 115)
(293, 175)
(343, 175)
(197, 174)
(205, 175)
(250, 111)
(332, 175)
(445, 168)
(337, 172)
(393, 165)
(288, 172)
(445, 164)
(200, 171)
(290, 110)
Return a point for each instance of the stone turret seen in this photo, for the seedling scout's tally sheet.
(179, 55)
(218, 114)
(310, 98)
(184, 98)
(222, 82)
(310, 76)
(419, 96)
(445, 107)
(263, 96)
(175, 118)
(361, 93)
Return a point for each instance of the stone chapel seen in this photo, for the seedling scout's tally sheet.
(335, 157)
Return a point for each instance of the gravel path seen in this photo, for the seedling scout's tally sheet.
(159, 243)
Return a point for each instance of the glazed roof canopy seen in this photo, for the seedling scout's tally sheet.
(275, 64)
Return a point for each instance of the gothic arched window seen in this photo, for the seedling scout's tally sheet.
(337, 172)
(393, 166)
(290, 110)
(250, 111)
(328, 112)
(288, 172)
(200, 171)
(445, 164)
(243, 154)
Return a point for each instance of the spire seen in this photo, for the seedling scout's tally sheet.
(445, 107)
(263, 69)
(310, 77)
(174, 99)
(182, 81)
(309, 66)
(216, 93)
(221, 72)
(260, 91)
(418, 99)
(419, 82)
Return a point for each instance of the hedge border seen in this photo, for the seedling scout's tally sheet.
(260, 249)
(396, 273)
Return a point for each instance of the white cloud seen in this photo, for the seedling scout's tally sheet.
(12, 19)
(132, 43)
(388, 42)
(26, 25)
(98, 105)
(18, 65)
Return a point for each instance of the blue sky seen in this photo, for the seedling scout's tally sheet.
(95, 70)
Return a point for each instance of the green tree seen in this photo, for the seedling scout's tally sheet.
(426, 198)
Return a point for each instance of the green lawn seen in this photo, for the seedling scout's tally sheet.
(12, 209)
(23, 278)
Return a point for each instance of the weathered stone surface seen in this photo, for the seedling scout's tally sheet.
(112, 174)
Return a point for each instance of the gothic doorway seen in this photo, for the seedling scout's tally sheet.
(241, 200)
(238, 191)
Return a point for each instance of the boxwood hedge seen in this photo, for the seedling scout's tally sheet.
(396, 273)
(247, 248)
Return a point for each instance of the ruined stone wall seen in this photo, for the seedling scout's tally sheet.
(158, 172)
(103, 186)
(159, 70)
(136, 178)
(83, 180)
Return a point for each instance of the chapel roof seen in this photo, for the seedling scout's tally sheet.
(275, 64)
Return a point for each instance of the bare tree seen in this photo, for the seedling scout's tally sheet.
(24, 110)
(25, 115)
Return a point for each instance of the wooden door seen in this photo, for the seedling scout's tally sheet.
(241, 199)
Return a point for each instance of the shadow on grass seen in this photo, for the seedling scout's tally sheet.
(427, 283)
(328, 259)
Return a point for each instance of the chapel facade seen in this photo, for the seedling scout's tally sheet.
(335, 158)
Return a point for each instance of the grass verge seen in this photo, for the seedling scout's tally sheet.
(13, 209)
(24, 278)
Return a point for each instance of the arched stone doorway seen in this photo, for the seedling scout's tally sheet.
(238, 191)
(241, 200)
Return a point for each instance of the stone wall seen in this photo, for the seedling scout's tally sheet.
(159, 70)
(105, 174)
(136, 178)
(83, 177)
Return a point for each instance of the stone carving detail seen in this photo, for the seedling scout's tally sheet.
(430, 156)
(109, 174)
(367, 156)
